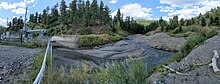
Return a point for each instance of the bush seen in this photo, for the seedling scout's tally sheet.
(93, 40)
(192, 43)
(84, 31)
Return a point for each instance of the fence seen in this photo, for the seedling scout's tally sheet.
(40, 74)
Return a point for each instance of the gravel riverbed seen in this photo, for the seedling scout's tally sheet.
(14, 61)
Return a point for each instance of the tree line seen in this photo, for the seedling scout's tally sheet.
(210, 18)
(79, 13)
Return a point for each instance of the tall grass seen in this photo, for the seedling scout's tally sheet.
(126, 72)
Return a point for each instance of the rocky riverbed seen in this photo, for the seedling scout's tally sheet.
(134, 46)
(14, 61)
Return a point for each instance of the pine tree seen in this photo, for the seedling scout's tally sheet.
(118, 15)
(73, 9)
(36, 18)
(86, 15)
(32, 18)
(101, 11)
(80, 11)
(40, 18)
(203, 22)
(54, 14)
(94, 13)
(181, 21)
(106, 17)
(63, 12)
(44, 17)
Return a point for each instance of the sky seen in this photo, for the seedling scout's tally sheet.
(138, 9)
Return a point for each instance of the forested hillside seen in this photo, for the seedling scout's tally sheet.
(80, 17)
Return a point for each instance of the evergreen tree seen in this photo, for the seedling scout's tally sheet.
(40, 18)
(106, 16)
(44, 17)
(101, 11)
(87, 13)
(63, 12)
(94, 13)
(216, 21)
(203, 22)
(54, 14)
(36, 18)
(80, 11)
(182, 22)
(118, 15)
(211, 21)
(32, 18)
(73, 10)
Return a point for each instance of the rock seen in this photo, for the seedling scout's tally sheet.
(196, 63)
(69, 41)
(160, 41)
(125, 49)
(1, 79)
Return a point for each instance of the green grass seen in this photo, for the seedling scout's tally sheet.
(202, 34)
(93, 40)
(128, 72)
(28, 45)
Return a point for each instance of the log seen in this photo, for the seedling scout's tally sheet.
(214, 62)
(175, 71)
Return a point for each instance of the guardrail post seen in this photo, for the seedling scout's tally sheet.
(51, 54)
(40, 74)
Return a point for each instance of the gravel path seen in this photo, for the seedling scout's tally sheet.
(14, 61)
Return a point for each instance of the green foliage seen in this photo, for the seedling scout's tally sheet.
(84, 31)
(128, 72)
(131, 71)
(203, 22)
(204, 34)
(93, 40)
(178, 30)
(28, 45)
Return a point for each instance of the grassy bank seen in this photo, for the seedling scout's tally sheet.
(202, 35)
(127, 72)
(93, 40)
(28, 45)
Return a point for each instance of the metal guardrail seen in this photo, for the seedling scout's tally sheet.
(40, 74)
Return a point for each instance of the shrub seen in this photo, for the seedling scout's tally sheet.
(192, 43)
(93, 40)
(84, 31)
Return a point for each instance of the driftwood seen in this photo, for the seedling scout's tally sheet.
(214, 62)
(175, 71)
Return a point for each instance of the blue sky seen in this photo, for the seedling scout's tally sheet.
(139, 9)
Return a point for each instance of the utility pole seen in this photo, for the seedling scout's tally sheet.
(24, 27)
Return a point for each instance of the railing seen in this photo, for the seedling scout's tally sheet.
(40, 74)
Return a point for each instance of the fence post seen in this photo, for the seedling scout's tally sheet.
(51, 54)
(40, 74)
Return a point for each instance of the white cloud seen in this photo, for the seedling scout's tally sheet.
(17, 8)
(3, 20)
(166, 9)
(113, 1)
(187, 8)
(135, 10)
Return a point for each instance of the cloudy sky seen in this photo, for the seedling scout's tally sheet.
(139, 9)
